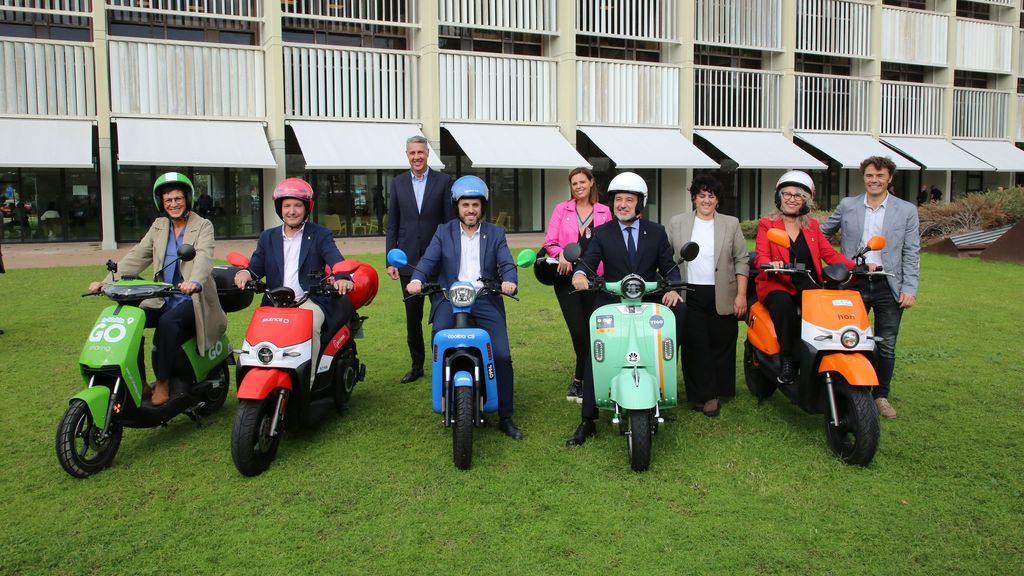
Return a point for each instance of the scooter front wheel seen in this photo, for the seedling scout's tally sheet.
(252, 447)
(82, 450)
(462, 432)
(855, 439)
(639, 440)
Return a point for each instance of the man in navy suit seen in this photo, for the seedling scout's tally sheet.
(469, 249)
(294, 253)
(419, 202)
(626, 245)
(877, 212)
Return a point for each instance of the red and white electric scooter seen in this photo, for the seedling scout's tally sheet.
(274, 364)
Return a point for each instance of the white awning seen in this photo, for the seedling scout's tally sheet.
(505, 146)
(45, 143)
(935, 153)
(760, 149)
(1002, 155)
(647, 147)
(850, 149)
(195, 143)
(355, 145)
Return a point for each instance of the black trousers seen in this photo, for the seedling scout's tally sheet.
(709, 347)
(576, 310)
(782, 308)
(174, 327)
(413, 324)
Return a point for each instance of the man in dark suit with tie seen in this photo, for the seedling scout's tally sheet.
(420, 201)
(626, 245)
(467, 250)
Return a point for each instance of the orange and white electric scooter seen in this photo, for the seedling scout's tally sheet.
(834, 357)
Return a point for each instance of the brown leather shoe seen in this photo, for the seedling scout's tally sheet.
(160, 393)
(885, 410)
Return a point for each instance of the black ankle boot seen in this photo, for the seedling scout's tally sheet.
(585, 430)
(788, 372)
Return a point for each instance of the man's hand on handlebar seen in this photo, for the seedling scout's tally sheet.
(414, 288)
(241, 278)
(95, 287)
(508, 288)
(343, 286)
(580, 282)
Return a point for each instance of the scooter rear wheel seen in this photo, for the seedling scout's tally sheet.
(252, 447)
(462, 424)
(759, 385)
(639, 440)
(855, 439)
(80, 449)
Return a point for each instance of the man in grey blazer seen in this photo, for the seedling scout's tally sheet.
(869, 214)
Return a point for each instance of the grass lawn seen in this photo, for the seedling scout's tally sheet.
(752, 492)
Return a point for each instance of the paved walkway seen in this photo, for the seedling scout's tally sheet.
(49, 255)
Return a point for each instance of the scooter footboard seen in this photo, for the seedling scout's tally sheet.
(635, 394)
(855, 368)
(258, 384)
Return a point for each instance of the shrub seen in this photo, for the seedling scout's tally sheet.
(981, 211)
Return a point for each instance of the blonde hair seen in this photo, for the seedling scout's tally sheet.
(803, 219)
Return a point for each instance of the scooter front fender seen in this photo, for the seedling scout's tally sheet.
(642, 394)
(97, 399)
(855, 368)
(259, 383)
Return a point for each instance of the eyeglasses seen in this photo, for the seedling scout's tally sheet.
(792, 196)
(173, 201)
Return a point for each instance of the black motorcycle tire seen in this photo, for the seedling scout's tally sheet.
(759, 385)
(215, 397)
(855, 440)
(252, 447)
(77, 426)
(639, 439)
(462, 432)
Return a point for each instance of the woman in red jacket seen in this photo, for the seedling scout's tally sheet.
(574, 221)
(780, 293)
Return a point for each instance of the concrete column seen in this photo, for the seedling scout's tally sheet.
(424, 42)
(785, 62)
(273, 63)
(104, 156)
(674, 198)
(872, 70)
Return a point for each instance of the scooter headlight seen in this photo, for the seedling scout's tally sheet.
(633, 287)
(462, 296)
(850, 338)
(265, 355)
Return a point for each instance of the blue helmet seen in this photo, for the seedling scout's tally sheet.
(469, 187)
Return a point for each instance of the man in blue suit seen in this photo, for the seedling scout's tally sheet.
(469, 249)
(419, 202)
(294, 253)
(861, 217)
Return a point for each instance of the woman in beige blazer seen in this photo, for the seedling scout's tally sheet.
(179, 318)
(719, 297)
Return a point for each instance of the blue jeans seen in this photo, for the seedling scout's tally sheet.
(878, 297)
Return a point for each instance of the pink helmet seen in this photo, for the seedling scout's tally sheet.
(296, 188)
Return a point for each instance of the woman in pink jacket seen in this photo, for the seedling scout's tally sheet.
(574, 221)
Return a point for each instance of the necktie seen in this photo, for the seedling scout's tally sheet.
(630, 247)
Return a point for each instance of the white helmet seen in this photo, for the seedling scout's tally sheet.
(629, 182)
(799, 179)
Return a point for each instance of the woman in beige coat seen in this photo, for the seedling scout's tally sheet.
(176, 318)
(718, 300)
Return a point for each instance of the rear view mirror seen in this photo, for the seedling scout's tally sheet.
(186, 252)
(778, 237)
(526, 258)
(876, 242)
(236, 259)
(572, 252)
(689, 251)
(397, 258)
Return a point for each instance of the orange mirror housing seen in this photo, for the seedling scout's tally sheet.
(876, 242)
(778, 237)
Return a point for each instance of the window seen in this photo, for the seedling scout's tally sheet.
(491, 41)
(915, 4)
(727, 57)
(973, 10)
(965, 79)
(331, 33)
(182, 28)
(617, 48)
(895, 72)
(819, 64)
(49, 204)
(45, 26)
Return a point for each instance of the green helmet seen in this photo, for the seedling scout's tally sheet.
(177, 180)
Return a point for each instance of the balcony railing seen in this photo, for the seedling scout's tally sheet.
(173, 79)
(834, 27)
(613, 92)
(349, 83)
(740, 23)
(832, 103)
(384, 12)
(230, 9)
(653, 20)
(82, 7)
(730, 98)
(980, 113)
(537, 16)
(497, 89)
(914, 36)
(984, 46)
(43, 78)
(1009, 3)
(911, 109)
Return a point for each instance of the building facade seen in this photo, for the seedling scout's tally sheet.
(97, 97)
